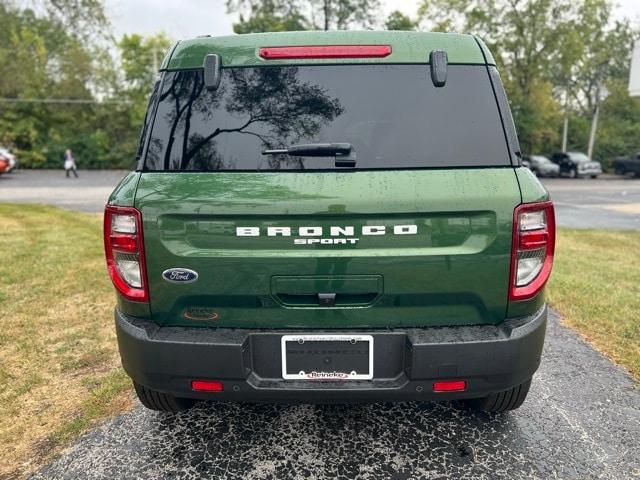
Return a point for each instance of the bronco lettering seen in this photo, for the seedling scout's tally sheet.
(336, 231)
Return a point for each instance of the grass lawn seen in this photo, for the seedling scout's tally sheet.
(595, 285)
(59, 367)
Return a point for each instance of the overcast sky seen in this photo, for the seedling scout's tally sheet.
(188, 18)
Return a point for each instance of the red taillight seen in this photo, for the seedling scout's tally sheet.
(207, 386)
(449, 386)
(325, 51)
(534, 233)
(124, 249)
(533, 240)
(124, 243)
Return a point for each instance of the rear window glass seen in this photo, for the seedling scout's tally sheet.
(147, 119)
(392, 115)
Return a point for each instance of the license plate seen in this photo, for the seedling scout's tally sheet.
(327, 357)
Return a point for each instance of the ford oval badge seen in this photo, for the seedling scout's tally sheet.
(180, 275)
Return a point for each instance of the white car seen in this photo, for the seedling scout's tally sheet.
(13, 161)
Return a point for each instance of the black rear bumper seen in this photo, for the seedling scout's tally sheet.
(406, 361)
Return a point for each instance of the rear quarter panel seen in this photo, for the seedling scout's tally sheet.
(124, 196)
(125, 192)
(532, 191)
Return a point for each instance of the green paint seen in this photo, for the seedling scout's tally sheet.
(453, 272)
(531, 188)
(407, 47)
(124, 193)
(485, 50)
(532, 191)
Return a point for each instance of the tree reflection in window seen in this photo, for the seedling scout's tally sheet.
(272, 104)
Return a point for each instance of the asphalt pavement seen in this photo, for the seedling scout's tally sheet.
(609, 202)
(580, 421)
(606, 202)
(88, 193)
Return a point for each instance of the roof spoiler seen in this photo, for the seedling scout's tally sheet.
(438, 62)
(212, 75)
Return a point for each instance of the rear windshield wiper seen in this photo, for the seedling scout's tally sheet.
(341, 151)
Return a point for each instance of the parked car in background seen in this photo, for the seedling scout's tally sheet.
(624, 165)
(541, 166)
(4, 165)
(10, 157)
(576, 164)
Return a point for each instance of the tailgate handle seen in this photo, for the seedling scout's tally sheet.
(326, 291)
(327, 299)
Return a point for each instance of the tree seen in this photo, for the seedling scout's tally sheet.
(131, 81)
(140, 60)
(544, 49)
(46, 62)
(343, 14)
(399, 21)
(51, 62)
(595, 57)
(287, 15)
(274, 105)
(85, 19)
(619, 126)
(266, 16)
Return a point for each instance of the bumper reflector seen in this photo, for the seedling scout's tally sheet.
(450, 386)
(207, 386)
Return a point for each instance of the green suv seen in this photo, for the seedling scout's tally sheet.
(330, 217)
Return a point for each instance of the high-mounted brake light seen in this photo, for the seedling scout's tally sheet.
(532, 250)
(325, 51)
(124, 250)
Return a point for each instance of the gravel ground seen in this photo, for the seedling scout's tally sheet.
(581, 421)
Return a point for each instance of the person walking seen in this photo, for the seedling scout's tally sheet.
(70, 163)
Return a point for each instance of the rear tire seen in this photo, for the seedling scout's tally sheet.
(161, 402)
(620, 170)
(573, 173)
(594, 176)
(501, 401)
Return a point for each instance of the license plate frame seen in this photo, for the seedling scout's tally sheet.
(319, 376)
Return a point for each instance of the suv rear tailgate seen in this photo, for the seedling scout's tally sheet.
(432, 248)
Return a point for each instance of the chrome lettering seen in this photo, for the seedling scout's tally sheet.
(373, 230)
(275, 231)
(346, 231)
(247, 231)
